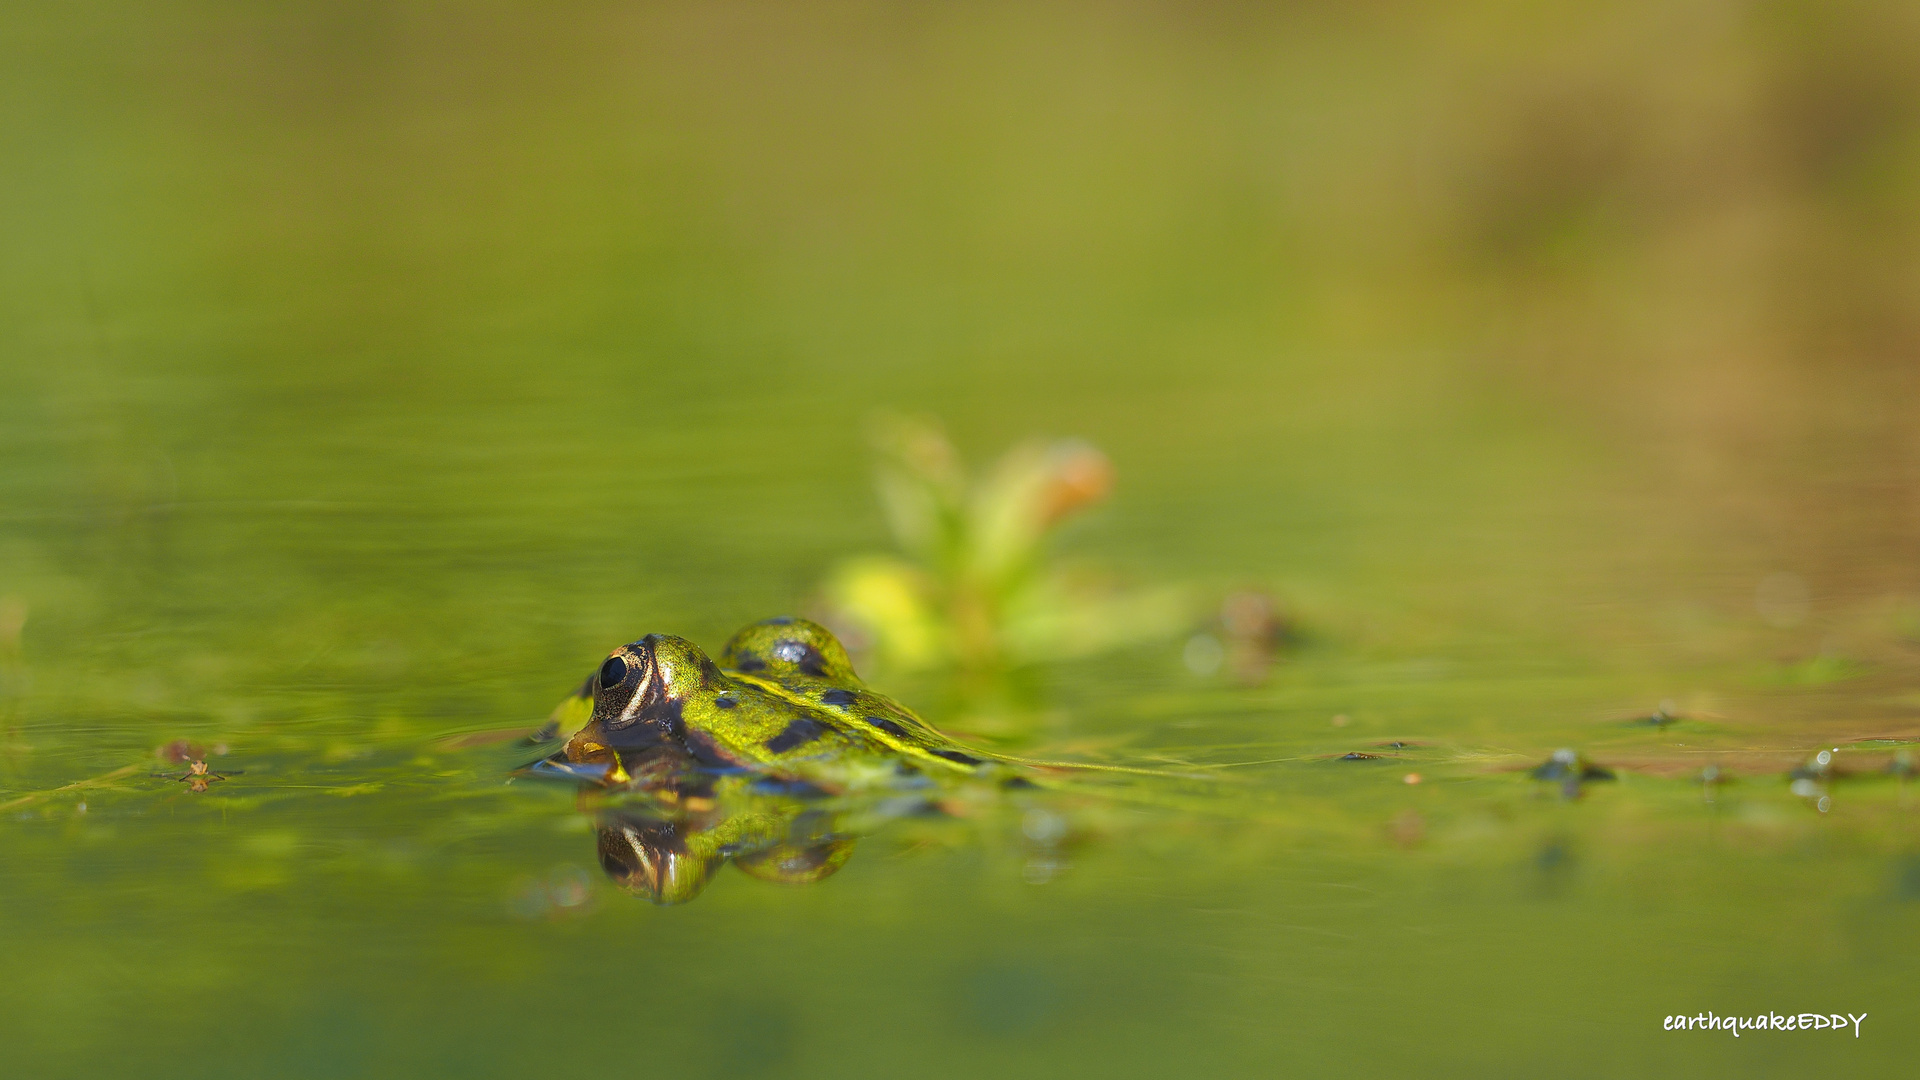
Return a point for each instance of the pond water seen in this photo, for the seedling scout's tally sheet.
(370, 372)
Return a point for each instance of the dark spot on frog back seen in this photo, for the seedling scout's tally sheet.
(839, 697)
(887, 726)
(796, 734)
(957, 757)
(749, 662)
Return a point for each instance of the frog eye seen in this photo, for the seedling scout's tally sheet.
(612, 671)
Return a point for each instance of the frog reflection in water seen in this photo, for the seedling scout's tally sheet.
(735, 759)
(668, 852)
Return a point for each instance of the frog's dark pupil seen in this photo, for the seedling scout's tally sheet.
(613, 671)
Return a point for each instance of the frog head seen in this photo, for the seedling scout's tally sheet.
(640, 692)
(787, 648)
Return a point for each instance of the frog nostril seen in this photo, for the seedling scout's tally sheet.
(611, 672)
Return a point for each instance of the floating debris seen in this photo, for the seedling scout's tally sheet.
(1817, 768)
(1809, 781)
(1566, 764)
(1386, 751)
(1256, 629)
(1664, 714)
(1246, 636)
(197, 776)
(1570, 770)
(1709, 781)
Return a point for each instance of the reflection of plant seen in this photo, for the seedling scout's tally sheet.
(975, 588)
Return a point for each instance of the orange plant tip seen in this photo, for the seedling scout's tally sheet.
(1412, 778)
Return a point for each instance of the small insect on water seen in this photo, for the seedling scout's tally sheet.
(197, 776)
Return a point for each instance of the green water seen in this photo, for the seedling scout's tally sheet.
(368, 371)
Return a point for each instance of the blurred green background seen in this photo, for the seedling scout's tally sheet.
(367, 370)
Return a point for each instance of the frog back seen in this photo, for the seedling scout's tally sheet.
(802, 662)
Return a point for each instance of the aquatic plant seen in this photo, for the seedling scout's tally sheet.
(976, 584)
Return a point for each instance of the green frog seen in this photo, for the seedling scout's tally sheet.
(739, 761)
(773, 758)
(784, 702)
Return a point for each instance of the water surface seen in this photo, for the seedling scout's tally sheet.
(370, 372)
